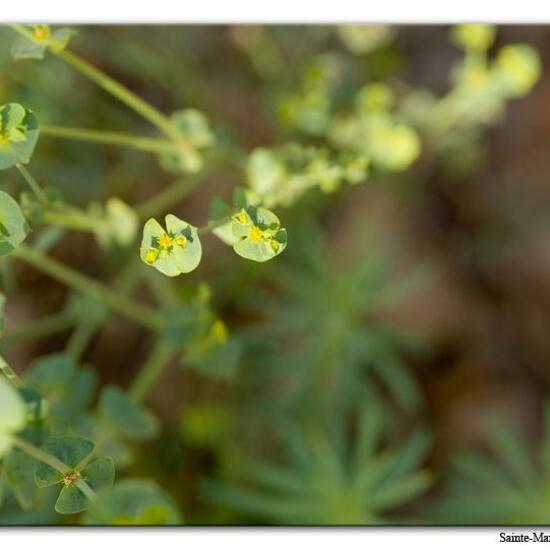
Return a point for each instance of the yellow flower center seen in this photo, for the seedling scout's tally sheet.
(71, 478)
(165, 241)
(41, 32)
(256, 234)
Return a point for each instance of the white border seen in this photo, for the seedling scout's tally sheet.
(279, 11)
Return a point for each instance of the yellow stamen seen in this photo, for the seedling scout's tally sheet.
(165, 241)
(71, 478)
(256, 234)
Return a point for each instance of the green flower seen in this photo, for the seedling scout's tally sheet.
(174, 250)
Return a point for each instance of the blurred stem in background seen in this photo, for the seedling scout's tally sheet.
(150, 145)
(159, 358)
(141, 314)
(32, 183)
(140, 106)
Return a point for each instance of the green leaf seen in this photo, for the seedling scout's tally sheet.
(18, 135)
(13, 225)
(126, 415)
(217, 361)
(133, 502)
(19, 468)
(118, 226)
(173, 251)
(260, 235)
(69, 450)
(195, 136)
(69, 389)
(194, 127)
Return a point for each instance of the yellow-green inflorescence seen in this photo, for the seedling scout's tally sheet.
(260, 234)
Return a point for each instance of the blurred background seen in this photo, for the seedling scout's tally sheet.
(394, 361)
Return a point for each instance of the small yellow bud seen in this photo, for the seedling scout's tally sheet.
(274, 245)
(219, 332)
(41, 32)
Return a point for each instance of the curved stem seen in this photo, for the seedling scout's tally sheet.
(135, 311)
(150, 145)
(32, 183)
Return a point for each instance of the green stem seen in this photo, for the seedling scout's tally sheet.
(32, 183)
(135, 311)
(9, 373)
(80, 339)
(42, 456)
(150, 145)
(167, 198)
(39, 328)
(160, 357)
(54, 462)
(210, 226)
(145, 109)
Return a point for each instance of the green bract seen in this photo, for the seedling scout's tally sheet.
(18, 135)
(475, 37)
(174, 250)
(196, 135)
(74, 452)
(260, 234)
(133, 502)
(12, 415)
(264, 171)
(13, 225)
(42, 37)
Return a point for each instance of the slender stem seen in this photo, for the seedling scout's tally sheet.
(210, 226)
(9, 373)
(160, 357)
(135, 311)
(39, 328)
(150, 145)
(54, 462)
(33, 184)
